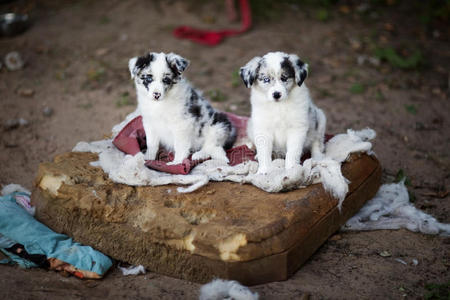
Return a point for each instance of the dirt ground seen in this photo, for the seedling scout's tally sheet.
(76, 57)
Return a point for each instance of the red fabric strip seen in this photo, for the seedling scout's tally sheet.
(211, 37)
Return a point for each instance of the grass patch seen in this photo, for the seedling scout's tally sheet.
(324, 92)
(390, 55)
(235, 79)
(217, 96)
(379, 96)
(104, 20)
(357, 88)
(263, 10)
(431, 10)
(323, 15)
(124, 100)
(96, 74)
(437, 291)
(86, 105)
(411, 108)
(61, 75)
(402, 175)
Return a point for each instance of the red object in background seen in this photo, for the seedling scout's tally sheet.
(211, 37)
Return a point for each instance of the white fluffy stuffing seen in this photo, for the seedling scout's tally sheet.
(329, 173)
(341, 145)
(132, 270)
(12, 188)
(219, 289)
(391, 209)
(128, 169)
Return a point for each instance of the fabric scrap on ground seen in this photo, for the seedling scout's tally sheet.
(15, 259)
(17, 225)
(6, 242)
(226, 289)
(391, 209)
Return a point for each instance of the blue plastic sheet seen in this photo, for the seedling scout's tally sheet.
(19, 226)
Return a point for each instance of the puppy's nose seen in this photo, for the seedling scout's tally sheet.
(156, 95)
(276, 95)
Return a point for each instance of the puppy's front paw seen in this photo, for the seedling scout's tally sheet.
(318, 155)
(220, 155)
(290, 164)
(263, 170)
(200, 155)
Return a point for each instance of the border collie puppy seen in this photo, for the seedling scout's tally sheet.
(284, 118)
(174, 114)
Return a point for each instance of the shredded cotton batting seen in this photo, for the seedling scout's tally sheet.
(128, 169)
(12, 188)
(132, 270)
(219, 289)
(391, 209)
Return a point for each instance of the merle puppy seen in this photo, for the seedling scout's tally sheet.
(174, 114)
(284, 118)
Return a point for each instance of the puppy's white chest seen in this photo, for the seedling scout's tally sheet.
(161, 121)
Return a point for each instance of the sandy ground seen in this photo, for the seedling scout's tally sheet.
(76, 64)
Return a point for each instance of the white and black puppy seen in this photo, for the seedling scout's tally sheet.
(284, 119)
(174, 114)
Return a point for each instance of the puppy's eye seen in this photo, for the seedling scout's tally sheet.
(146, 79)
(284, 78)
(266, 79)
(167, 80)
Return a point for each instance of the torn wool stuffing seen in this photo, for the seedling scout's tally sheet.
(219, 289)
(391, 209)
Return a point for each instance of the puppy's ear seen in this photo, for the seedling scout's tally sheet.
(177, 63)
(301, 69)
(249, 72)
(138, 63)
(132, 66)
